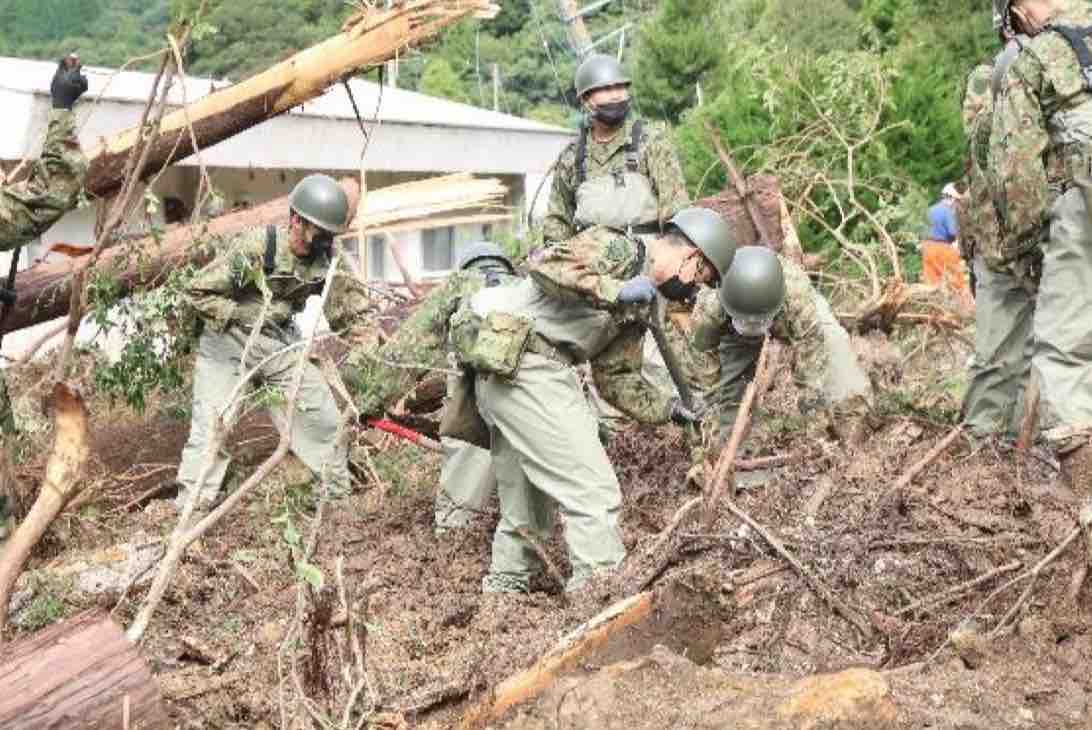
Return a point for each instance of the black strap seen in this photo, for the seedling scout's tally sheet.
(269, 262)
(632, 150)
(1076, 39)
(640, 255)
(582, 156)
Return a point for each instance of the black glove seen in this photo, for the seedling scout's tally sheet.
(68, 84)
(682, 415)
(638, 290)
(7, 296)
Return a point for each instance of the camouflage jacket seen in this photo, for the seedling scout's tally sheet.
(229, 291)
(586, 273)
(1041, 121)
(979, 230)
(378, 379)
(29, 207)
(658, 162)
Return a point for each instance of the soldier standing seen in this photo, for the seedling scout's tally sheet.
(586, 301)
(1040, 160)
(288, 265)
(29, 207)
(1006, 289)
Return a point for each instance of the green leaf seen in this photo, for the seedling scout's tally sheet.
(311, 574)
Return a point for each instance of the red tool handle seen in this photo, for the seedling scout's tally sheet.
(396, 429)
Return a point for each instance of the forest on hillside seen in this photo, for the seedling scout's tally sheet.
(791, 85)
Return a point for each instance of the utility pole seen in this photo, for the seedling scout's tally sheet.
(496, 88)
(579, 38)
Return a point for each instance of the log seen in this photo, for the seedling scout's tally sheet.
(44, 289)
(369, 38)
(63, 479)
(78, 674)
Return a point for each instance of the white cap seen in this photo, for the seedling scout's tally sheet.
(950, 191)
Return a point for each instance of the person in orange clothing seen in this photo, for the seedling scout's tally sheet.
(942, 265)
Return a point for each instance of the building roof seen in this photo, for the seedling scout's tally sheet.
(398, 105)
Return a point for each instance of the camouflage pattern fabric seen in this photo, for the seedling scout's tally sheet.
(980, 233)
(7, 414)
(824, 365)
(29, 207)
(658, 162)
(229, 290)
(1039, 162)
(1041, 125)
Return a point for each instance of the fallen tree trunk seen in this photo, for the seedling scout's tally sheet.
(370, 38)
(63, 479)
(78, 674)
(43, 291)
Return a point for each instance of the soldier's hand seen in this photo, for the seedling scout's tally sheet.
(7, 296)
(682, 415)
(68, 84)
(638, 290)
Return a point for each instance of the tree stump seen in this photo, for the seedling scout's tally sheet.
(79, 674)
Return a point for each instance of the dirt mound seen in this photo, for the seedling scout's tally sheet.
(765, 190)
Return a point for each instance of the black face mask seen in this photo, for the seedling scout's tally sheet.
(611, 114)
(321, 243)
(675, 290)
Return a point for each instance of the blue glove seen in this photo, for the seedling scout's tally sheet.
(638, 290)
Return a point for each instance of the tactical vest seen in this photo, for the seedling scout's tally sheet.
(623, 199)
(289, 291)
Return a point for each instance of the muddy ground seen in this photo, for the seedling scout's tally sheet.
(435, 645)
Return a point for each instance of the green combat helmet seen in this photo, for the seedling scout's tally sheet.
(598, 72)
(753, 290)
(320, 200)
(713, 235)
(484, 255)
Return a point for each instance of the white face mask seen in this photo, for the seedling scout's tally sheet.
(752, 325)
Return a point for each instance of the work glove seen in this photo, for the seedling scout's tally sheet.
(68, 83)
(682, 415)
(7, 296)
(638, 290)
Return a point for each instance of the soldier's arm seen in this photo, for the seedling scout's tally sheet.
(215, 289)
(708, 321)
(665, 172)
(30, 207)
(349, 303)
(1017, 142)
(558, 224)
(617, 375)
(378, 378)
(590, 268)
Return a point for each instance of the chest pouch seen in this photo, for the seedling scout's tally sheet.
(493, 344)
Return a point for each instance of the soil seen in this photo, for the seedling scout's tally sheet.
(434, 644)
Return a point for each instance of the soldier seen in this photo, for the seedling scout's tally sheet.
(52, 188)
(288, 265)
(1005, 290)
(467, 477)
(620, 172)
(765, 293)
(585, 301)
(1040, 156)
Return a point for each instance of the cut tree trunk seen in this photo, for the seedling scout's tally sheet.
(370, 38)
(63, 479)
(78, 674)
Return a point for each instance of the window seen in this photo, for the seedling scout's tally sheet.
(377, 257)
(438, 250)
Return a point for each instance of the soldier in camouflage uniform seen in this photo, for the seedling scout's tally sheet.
(29, 207)
(1040, 160)
(586, 300)
(290, 264)
(1005, 292)
(764, 292)
(467, 477)
(620, 172)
